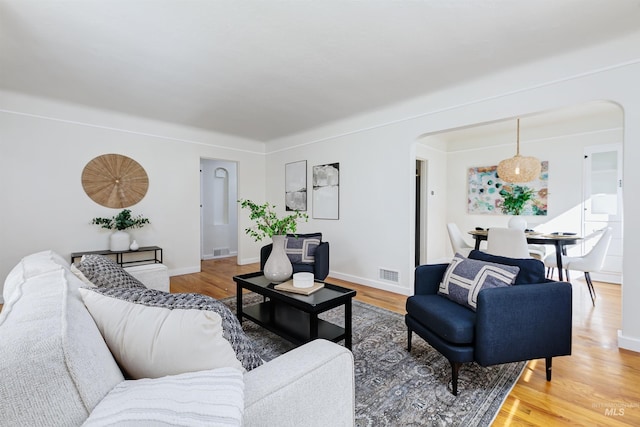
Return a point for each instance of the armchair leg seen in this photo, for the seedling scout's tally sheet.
(409, 335)
(548, 368)
(455, 368)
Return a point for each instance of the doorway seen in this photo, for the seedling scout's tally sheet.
(602, 205)
(421, 212)
(218, 209)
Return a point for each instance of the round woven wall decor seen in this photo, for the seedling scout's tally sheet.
(115, 181)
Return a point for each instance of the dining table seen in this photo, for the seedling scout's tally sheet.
(559, 240)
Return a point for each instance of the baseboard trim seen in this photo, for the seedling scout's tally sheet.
(209, 257)
(603, 276)
(245, 261)
(184, 270)
(628, 343)
(396, 289)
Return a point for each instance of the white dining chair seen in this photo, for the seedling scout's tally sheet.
(592, 262)
(508, 242)
(458, 244)
(551, 263)
(535, 251)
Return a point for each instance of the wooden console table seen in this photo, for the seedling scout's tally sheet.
(121, 255)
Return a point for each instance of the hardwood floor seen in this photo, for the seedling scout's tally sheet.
(598, 385)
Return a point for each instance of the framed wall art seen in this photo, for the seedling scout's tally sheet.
(488, 194)
(326, 191)
(295, 186)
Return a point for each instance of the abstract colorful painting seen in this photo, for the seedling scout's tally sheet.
(486, 192)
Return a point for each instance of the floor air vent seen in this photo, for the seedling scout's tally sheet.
(220, 251)
(389, 275)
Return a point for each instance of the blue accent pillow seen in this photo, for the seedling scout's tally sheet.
(531, 269)
(301, 248)
(465, 278)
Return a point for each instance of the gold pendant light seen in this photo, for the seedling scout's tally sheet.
(518, 168)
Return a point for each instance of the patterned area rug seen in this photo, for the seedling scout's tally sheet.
(398, 388)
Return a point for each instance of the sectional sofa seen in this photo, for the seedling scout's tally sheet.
(57, 369)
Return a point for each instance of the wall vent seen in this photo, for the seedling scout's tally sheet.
(220, 252)
(389, 275)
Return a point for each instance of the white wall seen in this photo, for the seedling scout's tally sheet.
(45, 145)
(377, 151)
(377, 177)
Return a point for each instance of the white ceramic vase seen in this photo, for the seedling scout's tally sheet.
(278, 267)
(119, 241)
(134, 246)
(518, 222)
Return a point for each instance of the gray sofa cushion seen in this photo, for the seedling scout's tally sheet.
(232, 330)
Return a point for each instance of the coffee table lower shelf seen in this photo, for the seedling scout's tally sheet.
(290, 323)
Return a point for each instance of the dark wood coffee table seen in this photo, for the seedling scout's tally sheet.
(293, 316)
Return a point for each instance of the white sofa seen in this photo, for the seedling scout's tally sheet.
(55, 367)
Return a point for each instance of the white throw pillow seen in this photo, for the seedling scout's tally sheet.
(205, 398)
(151, 342)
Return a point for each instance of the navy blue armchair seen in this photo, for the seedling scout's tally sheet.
(319, 267)
(529, 320)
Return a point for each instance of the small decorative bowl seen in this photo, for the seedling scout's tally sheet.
(303, 280)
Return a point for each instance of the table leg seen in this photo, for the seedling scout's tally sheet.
(347, 324)
(239, 301)
(313, 327)
(477, 246)
(559, 261)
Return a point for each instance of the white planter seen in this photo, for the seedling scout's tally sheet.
(518, 222)
(278, 267)
(119, 241)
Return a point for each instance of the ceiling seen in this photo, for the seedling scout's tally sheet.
(264, 69)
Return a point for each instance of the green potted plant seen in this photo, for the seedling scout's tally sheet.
(267, 224)
(119, 239)
(514, 198)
